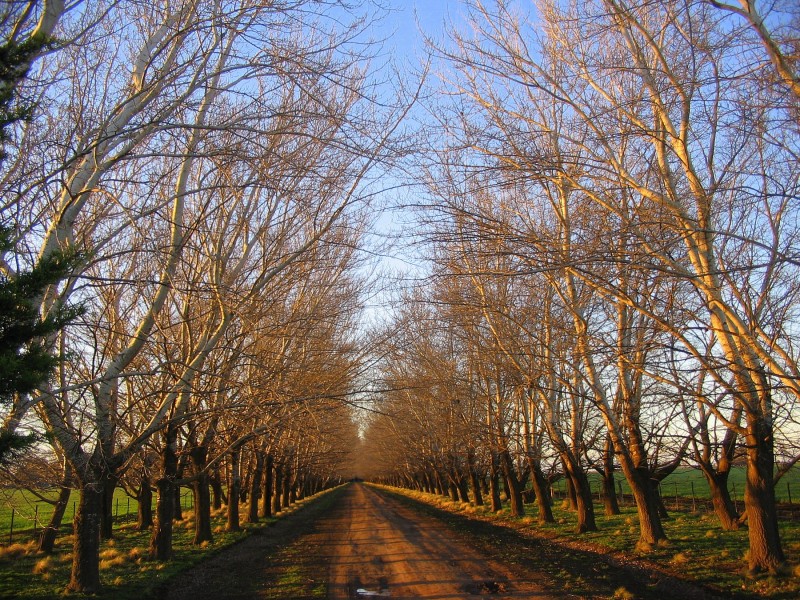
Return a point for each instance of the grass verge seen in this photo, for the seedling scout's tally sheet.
(699, 557)
(125, 570)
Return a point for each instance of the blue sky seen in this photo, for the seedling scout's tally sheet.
(402, 23)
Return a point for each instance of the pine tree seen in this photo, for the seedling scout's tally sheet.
(26, 359)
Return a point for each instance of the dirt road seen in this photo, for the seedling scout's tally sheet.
(377, 547)
(357, 543)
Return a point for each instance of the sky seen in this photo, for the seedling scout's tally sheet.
(404, 46)
(409, 16)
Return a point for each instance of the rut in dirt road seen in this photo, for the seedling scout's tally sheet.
(377, 547)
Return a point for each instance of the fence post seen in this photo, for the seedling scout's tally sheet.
(694, 506)
(11, 530)
(128, 510)
(619, 485)
(676, 495)
(735, 505)
(35, 519)
(789, 492)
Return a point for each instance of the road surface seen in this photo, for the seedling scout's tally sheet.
(377, 547)
(363, 544)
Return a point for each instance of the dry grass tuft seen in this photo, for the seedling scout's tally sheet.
(43, 566)
(17, 550)
(622, 594)
(111, 558)
(681, 558)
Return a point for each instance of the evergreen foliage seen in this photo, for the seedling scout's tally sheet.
(26, 361)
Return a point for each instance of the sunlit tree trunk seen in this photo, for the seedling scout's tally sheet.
(47, 539)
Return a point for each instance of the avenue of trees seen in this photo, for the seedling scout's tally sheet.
(612, 224)
(607, 200)
(202, 171)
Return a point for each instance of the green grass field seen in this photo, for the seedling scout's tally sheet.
(684, 483)
(690, 483)
(30, 513)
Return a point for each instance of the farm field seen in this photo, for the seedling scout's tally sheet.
(31, 513)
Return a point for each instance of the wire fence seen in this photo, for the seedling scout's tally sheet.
(27, 521)
(685, 496)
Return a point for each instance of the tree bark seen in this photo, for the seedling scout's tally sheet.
(721, 499)
(145, 498)
(233, 492)
(202, 496)
(276, 497)
(494, 483)
(107, 514)
(542, 491)
(766, 553)
(583, 495)
(266, 490)
(255, 488)
(514, 487)
(287, 486)
(85, 576)
(610, 503)
(47, 539)
(474, 480)
(218, 495)
(161, 539)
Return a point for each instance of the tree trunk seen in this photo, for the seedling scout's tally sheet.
(610, 503)
(85, 576)
(233, 492)
(474, 480)
(453, 489)
(202, 496)
(276, 498)
(145, 498)
(266, 490)
(287, 487)
(107, 514)
(176, 501)
(651, 530)
(766, 553)
(218, 495)
(541, 489)
(571, 501)
(161, 539)
(47, 539)
(721, 499)
(494, 484)
(662, 508)
(514, 487)
(255, 488)
(583, 495)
